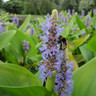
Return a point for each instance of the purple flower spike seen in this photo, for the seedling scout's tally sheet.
(50, 49)
(61, 15)
(55, 59)
(32, 31)
(94, 11)
(69, 14)
(16, 21)
(87, 23)
(82, 13)
(26, 45)
(64, 80)
(1, 30)
(3, 25)
(65, 20)
(69, 11)
(73, 11)
(75, 29)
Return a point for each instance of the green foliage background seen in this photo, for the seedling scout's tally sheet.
(45, 6)
(0, 3)
(15, 63)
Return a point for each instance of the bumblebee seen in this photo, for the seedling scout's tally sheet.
(63, 42)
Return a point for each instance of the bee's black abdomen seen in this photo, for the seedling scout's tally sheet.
(62, 41)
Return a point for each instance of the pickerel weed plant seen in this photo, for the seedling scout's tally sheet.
(19, 56)
(16, 21)
(54, 59)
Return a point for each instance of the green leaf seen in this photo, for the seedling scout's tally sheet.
(64, 13)
(1, 61)
(14, 75)
(27, 91)
(54, 94)
(87, 54)
(38, 76)
(78, 33)
(71, 58)
(85, 80)
(4, 93)
(92, 44)
(19, 81)
(17, 46)
(79, 58)
(50, 83)
(80, 23)
(5, 38)
(78, 42)
(10, 54)
(25, 24)
(4, 16)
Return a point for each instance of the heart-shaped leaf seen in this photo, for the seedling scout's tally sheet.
(18, 81)
(88, 55)
(85, 80)
(92, 44)
(5, 38)
(78, 42)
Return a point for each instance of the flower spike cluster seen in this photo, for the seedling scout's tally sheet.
(54, 59)
(64, 19)
(64, 79)
(50, 49)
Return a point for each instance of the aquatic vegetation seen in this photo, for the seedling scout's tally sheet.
(52, 56)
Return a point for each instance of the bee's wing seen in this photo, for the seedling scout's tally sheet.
(64, 45)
